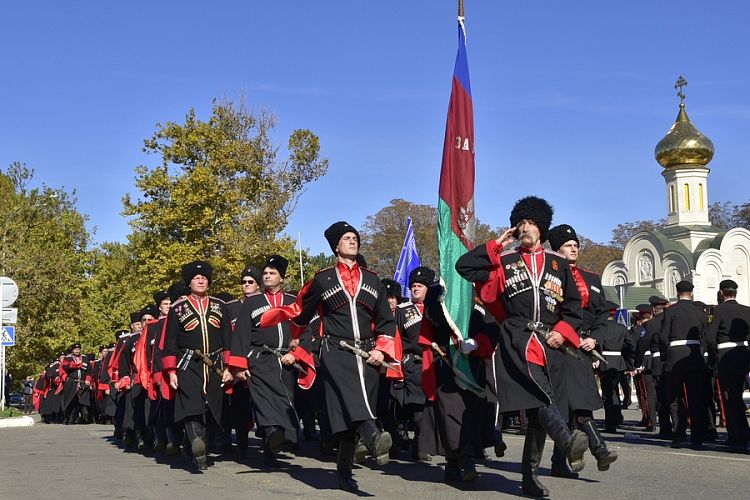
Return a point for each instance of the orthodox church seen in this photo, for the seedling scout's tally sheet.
(688, 247)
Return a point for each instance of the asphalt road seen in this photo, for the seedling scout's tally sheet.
(55, 461)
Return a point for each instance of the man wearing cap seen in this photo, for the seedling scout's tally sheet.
(519, 286)
(202, 323)
(580, 382)
(272, 377)
(728, 336)
(351, 302)
(614, 340)
(77, 392)
(683, 332)
(649, 366)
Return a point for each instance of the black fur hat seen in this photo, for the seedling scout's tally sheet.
(560, 235)
(279, 263)
(195, 268)
(423, 275)
(254, 273)
(334, 233)
(392, 288)
(536, 209)
(135, 317)
(177, 290)
(150, 310)
(159, 296)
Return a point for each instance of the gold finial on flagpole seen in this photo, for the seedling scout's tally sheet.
(460, 8)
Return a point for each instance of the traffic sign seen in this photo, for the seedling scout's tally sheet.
(10, 315)
(623, 317)
(8, 336)
(9, 292)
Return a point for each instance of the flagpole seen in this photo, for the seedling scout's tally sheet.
(461, 8)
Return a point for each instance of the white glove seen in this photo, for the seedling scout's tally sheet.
(469, 345)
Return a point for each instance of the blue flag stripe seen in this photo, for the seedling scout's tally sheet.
(408, 261)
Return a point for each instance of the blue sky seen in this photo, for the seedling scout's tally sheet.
(570, 98)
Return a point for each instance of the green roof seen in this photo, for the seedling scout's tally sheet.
(634, 295)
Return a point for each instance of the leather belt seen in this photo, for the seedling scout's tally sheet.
(684, 342)
(729, 345)
(656, 355)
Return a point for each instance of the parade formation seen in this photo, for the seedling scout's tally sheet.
(373, 372)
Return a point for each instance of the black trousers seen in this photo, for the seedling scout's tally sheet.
(689, 384)
(611, 395)
(731, 385)
(647, 397)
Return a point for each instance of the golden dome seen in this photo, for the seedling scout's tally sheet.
(684, 144)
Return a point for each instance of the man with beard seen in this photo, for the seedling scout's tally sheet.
(198, 323)
(272, 378)
(352, 304)
(520, 286)
(578, 375)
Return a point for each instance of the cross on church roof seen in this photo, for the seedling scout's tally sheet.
(681, 83)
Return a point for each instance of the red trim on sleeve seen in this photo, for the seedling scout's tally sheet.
(276, 315)
(535, 352)
(486, 348)
(237, 362)
(227, 356)
(494, 250)
(387, 346)
(169, 363)
(567, 331)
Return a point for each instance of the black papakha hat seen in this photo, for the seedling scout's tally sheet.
(423, 275)
(159, 296)
(177, 290)
(150, 310)
(535, 209)
(560, 235)
(334, 233)
(76, 345)
(684, 286)
(728, 286)
(193, 269)
(135, 317)
(279, 263)
(252, 272)
(392, 288)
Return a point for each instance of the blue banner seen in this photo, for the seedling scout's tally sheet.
(408, 261)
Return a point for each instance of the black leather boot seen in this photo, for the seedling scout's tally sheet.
(533, 447)
(500, 445)
(452, 469)
(344, 467)
(468, 466)
(196, 436)
(574, 444)
(560, 467)
(274, 438)
(378, 443)
(604, 456)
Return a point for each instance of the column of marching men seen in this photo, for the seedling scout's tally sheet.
(380, 375)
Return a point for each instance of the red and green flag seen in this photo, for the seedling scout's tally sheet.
(456, 207)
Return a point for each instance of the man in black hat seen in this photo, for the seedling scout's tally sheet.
(519, 286)
(648, 358)
(580, 381)
(683, 332)
(393, 292)
(132, 385)
(728, 337)
(76, 400)
(409, 395)
(353, 307)
(614, 340)
(272, 377)
(202, 323)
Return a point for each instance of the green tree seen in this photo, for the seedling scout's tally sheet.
(383, 235)
(220, 193)
(595, 256)
(44, 249)
(622, 233)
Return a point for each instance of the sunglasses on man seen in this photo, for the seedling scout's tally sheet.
(248, 282)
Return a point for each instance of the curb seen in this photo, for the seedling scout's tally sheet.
(16, 422)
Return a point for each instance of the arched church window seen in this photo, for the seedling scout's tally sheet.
(687, 196)
(671, 199)
(701, 197)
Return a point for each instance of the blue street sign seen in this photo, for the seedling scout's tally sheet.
(622, 317)
(8, 336)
